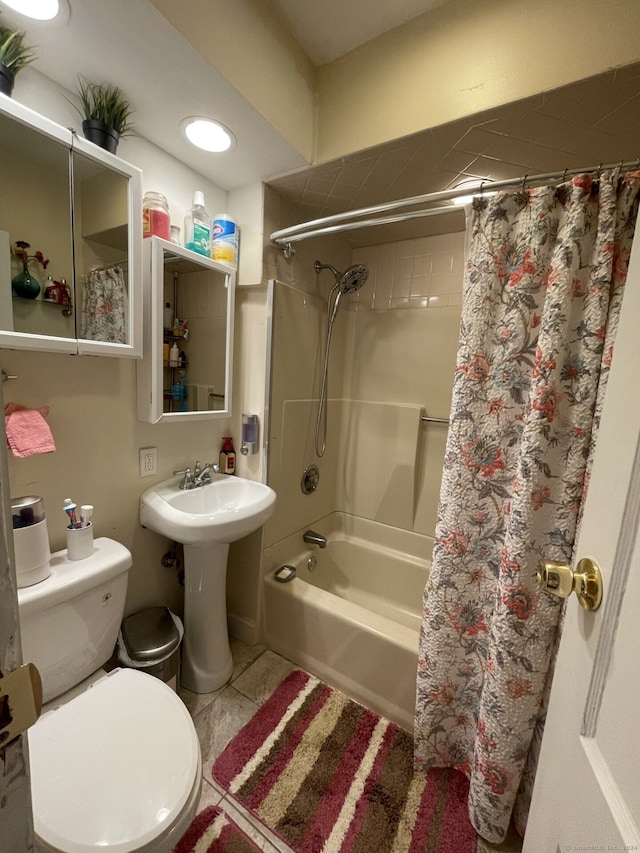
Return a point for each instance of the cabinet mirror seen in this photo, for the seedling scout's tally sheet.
(101, 263)
(185, 373)
(70, 241)
(35, 210)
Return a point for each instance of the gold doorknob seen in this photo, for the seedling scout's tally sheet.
(560, 580)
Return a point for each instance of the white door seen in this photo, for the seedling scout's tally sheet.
(587, 791)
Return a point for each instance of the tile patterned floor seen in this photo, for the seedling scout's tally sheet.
(220, 715)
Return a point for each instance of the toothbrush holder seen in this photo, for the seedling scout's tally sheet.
(80, 542)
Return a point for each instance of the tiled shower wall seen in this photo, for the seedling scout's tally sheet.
(421, 273)
(384, 358)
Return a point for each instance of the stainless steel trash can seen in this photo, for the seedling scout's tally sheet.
(150, 641)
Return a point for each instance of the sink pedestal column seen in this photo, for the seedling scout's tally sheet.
(206, 658)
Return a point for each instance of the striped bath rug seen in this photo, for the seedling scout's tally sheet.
(212, 831)
(329, 776)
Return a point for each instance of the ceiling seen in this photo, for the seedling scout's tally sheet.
(313, 22)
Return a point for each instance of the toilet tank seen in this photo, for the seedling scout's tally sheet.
(69, 622)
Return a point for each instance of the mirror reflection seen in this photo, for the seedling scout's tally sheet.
(100, 199)
(195, 306)
(35, 233)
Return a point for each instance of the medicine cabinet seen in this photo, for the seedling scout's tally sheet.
(186, 369)
(79, 209)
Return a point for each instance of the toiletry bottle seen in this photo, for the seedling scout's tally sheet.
(182, 406)
(165, 354)
(197, 227)
(227, 456)
(174, 355)
(224, 239)
(168, 315)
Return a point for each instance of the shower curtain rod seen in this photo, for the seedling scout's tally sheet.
(329, 224)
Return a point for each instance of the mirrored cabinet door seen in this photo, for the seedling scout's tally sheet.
(70, 241)
(105, 254)
(186, 370)
(36, 248)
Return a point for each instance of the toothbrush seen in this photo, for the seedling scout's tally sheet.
(70, 509)
(86, 511)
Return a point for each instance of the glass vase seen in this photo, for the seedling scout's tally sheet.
(25, 285)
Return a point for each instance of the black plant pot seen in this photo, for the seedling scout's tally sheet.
(101, 134)
(7, 79)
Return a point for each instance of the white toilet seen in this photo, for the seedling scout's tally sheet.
(115, 760)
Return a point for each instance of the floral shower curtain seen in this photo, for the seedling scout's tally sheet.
(543, 287)
(104, 306)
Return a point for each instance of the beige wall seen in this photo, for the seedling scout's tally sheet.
(93, 420)
(466, 57)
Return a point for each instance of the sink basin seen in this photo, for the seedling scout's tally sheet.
(224, 510)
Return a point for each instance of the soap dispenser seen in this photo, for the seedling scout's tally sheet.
(227, 456)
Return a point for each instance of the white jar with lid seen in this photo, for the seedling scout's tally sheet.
(155, 216)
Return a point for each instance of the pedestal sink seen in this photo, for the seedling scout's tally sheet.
(206, 519)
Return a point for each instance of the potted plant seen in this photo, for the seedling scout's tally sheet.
(14, 55)
(105, 113)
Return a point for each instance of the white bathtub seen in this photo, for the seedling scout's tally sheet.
(354, 619)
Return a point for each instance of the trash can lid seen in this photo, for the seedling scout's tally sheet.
(150, 634)
(27, 510)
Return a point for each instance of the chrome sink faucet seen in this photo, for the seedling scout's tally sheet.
(200, 477)
(313, 538)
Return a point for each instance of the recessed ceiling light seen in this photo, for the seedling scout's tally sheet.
(207, 134)
(39, 10)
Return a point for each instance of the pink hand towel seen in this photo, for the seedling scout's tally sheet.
(27, 431)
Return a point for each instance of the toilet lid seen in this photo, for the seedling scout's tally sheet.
(114, 767)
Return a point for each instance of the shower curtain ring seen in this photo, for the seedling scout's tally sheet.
(481, 188)
(564, 175)
(524, 183)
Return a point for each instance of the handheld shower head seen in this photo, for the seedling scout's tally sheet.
(353, 278)
(348, 281)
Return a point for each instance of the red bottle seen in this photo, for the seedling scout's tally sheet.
(227, 456)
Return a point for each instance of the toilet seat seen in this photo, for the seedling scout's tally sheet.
(117, 767)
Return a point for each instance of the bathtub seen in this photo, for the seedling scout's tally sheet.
(353, 618)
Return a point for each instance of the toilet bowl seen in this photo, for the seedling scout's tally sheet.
(116, 768)
(115, 759)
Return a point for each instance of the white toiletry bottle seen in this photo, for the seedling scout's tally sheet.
(224, 239)
(197, 227)
(174, 355)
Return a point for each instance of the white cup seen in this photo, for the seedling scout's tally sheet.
(80, 542)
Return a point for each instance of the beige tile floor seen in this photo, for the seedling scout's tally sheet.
(220, 715)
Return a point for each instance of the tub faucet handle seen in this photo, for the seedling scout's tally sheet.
(313, 538)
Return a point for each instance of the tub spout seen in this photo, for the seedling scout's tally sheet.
(313, 538)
